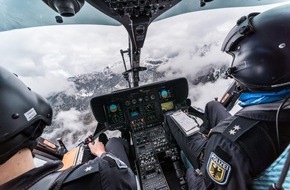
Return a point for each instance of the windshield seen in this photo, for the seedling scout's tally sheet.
(15, 14)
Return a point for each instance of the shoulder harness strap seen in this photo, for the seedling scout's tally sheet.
(46, 182)
(62, 177)
(52, 181)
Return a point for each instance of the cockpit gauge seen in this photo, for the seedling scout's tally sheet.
(134, 101)
(127, 103)
(150, 107)
(113, 108)
(146, 98)
(164, 94)
(114, 114)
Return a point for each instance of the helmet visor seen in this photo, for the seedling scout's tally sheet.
(242, 29)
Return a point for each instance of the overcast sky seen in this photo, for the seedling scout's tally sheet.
(44, 57)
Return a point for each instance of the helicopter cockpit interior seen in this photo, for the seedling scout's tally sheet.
(138, 111)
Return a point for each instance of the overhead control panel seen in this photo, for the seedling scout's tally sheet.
(135, 15)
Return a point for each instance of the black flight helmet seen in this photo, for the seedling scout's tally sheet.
(260, 47)
(23, 115)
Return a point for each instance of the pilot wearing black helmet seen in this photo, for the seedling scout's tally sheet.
(23, 116)
(240, 147)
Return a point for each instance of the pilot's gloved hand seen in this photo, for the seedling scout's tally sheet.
(97, 148)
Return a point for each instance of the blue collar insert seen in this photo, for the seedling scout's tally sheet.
(254, 98)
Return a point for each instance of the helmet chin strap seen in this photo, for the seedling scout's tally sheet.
(281, 85)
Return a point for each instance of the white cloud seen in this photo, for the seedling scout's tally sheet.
(47, 83)
(51, 54)
(203, 93)
(71, 129)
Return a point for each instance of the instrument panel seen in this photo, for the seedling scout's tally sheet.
(139, 107)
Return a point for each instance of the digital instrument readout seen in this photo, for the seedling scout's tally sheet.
(166, 106)
(114, 114)
(134, 112)
(164, 94)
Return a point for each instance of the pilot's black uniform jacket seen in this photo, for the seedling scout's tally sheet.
(98, 173)
(238, 149)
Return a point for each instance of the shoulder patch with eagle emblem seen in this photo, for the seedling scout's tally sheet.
(217, 169)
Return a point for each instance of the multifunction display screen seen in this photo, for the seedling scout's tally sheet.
(114, 113)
